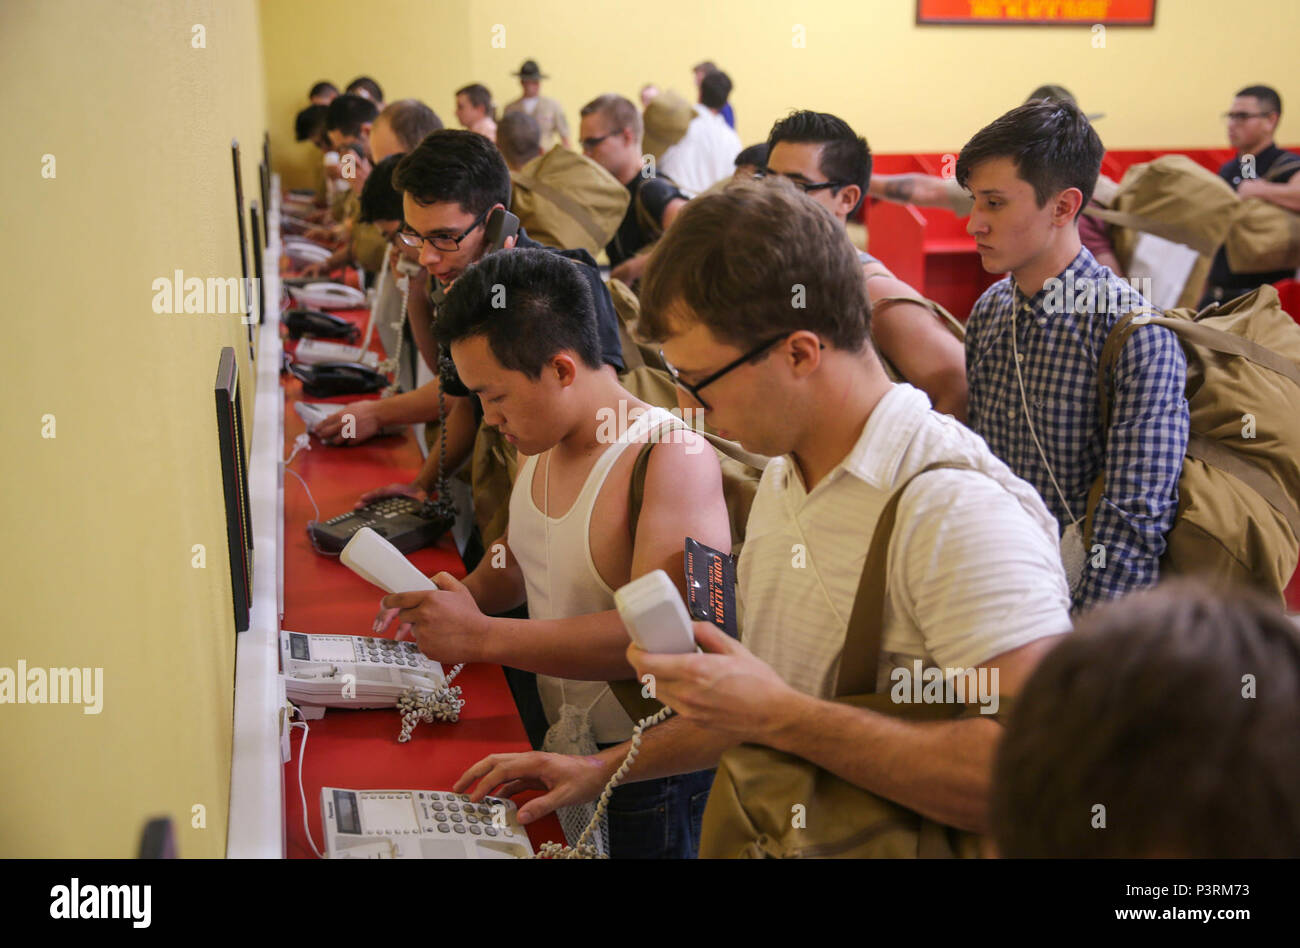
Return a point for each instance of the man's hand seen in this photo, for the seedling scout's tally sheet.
(353, 423)
(1252, 187)
(446, 624)
(630, 269)
(569, 780)
(727, 689)
(396, 489)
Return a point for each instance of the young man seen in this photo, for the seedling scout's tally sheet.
(474, 110)
(1252, 122)
(323, 93)
(400, 127)
(1032, 345)
(699, 72)
(1196, 754)
(548, 113)
(348, 121)
(535, 365)
(830, 163)
(707, 152)
(974, 576)
(367, 88)
(610, 135)
(451, 184)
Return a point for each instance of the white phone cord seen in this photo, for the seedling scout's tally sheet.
(582, 849)
(1024, 403)
(302, 753)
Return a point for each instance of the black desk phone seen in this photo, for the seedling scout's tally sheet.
(314, 322)
(405, 522)
(327, 379)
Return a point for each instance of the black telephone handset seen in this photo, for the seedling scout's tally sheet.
(326, 379)
(501, 225)
(313, 322)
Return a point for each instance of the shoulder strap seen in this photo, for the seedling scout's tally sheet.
(1287, 162)
(861, 655)
(561, 200)
(636, 486)
(945, 317)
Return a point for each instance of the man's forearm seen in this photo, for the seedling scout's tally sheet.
(585, 648)
(409, 408)
(941, 769)
(674, 746)
(462, 427)
(419, 314)
(1283, 195)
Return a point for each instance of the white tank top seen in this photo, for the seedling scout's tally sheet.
(561, 579)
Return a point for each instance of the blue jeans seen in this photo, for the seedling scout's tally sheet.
(658, 819)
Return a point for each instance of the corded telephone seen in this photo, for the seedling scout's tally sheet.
(313, 322)
(405, 522)
(501, 225)
(328, 296)
(327, 379)
(300, 250)
(351, 671)
(419, 824)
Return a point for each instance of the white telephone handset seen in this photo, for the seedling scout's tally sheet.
(302, 251)
(328, 296)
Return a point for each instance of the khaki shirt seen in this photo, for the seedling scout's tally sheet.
(550, 119)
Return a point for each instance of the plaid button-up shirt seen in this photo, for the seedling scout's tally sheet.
(1059, 335)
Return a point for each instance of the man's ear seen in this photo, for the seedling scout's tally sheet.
(803, 351)
(1067, 206)
(565, 368)
(850, 191)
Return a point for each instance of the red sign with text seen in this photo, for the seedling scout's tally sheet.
(1038, 12)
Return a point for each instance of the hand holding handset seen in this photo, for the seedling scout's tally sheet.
(501, 226)
(377, 561)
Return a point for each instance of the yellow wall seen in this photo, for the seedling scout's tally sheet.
(100, 520)
(907, 88)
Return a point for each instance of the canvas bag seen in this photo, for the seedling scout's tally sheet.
(568, 201)
(749, 813)
(665, 120)
(1237, 517)
(1265, 237)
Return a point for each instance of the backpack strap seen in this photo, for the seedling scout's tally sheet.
(860, 658)
(563, 201)
(1288, 162)
(949, 321)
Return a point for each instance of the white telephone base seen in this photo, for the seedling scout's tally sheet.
(312, 351)
(420, 824)
(352, 671)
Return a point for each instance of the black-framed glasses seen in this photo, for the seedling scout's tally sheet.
(441, 243)
(808, 187)
(694, 390)
(589, 143)
(1242, 116)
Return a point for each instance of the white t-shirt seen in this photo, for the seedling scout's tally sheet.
(705, 155)
(974, 563)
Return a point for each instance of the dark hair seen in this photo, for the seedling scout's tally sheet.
(454, 164)
(1268, 98)
(519, 137)
(1052, 93)
(618, 111)
(411, 120)
(371, 87)
(479, 97)
(739, 258)
(845, 155)
(380, 201)
(321, 88)
(755, 155)
(714, 89)
(705, 67)
(1150, 709)
(1053, 145)
(348, 113)
(309, 123)
(548, 310)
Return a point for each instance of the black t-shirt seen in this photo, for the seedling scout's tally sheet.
(607, 323)
(655, 193)
(1220, 274)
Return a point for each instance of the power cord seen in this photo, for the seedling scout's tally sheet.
(299, 443)
(302, 753)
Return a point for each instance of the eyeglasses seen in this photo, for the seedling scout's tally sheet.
(694, 390)
(1242, 116)
(806, 186)
(441, 242)
(589, 143)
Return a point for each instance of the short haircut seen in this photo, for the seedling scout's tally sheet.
(705, 67)
(309, 123)
(1052, 143)
(1269, 100)
(479, 96)
(321, 88)
(755, 260)
(454, 164)
(755, 155)
(348, 113)
(369, 85)
(618, 111)
(519, 137)
(1052, 93)
(845, 155)
(1176, 710)
(548, 310)
(379, 200)
(411, 120)
(714, 89)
